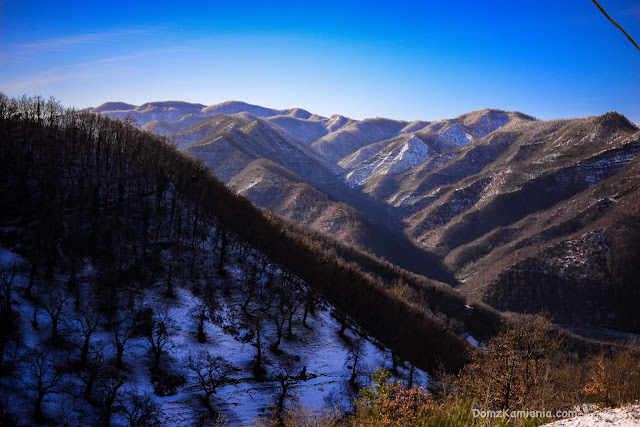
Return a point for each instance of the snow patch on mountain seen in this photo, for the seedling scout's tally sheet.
(412, 153)
(360, 156)
(402, 199)
(580, 257)
(495, 186)
(350, 138)
(456, 135)
(400, 159)
(473, 126)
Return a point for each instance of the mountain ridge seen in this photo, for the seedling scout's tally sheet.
(453, 190)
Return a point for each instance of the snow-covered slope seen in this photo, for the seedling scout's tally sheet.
(317, 350)
(373, 168)
(391, 160)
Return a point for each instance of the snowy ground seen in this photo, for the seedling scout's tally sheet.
(619, 417)
(319, 347)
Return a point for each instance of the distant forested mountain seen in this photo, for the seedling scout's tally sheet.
(526, 215)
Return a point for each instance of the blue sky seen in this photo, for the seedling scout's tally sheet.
(426, 60)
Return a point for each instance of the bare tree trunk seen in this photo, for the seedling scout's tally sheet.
(32, 278)
(38, 408)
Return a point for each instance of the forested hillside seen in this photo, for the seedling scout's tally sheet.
(112, 233)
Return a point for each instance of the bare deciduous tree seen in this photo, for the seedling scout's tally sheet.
(285, 380)
(159, 336)
(123, 332)
(139, 408)
(258, 369)
(249, 286)
(109, 386)
(46, 379)
(354, 357)
(310, 301)
(7, 276)
(291, 300)
(211, 373)
(88, 321)
(223, 248)
(91, 372)
(201, 315)
(54, 303)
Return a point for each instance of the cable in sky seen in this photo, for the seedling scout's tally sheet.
(616, 24)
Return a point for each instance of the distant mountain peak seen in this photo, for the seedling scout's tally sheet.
(170, 106)
(234, 107)
(113, 106)
(299, 113)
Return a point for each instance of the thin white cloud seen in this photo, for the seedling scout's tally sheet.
(79, 71)
(634, 11)
(36, 81)
(80, 39)
(127, 57)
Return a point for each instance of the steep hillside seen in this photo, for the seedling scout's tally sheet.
(582, 258)
(354, 136)
(364, 223)
(309, 129)
(257, 140)
(519, 211)
(276, 189)
(162, 127)
(203, 129)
